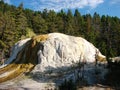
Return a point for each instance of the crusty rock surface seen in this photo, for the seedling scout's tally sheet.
(48, 55)
(61, 50)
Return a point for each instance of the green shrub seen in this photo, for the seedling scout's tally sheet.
(68, 85)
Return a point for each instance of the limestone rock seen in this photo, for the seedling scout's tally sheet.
(62, 51)
(115, 59)
(50, 53)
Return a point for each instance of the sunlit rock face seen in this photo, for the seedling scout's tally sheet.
(61, 50)
(52, 52)
(15, 50)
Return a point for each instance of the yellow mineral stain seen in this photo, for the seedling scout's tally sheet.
(21, 68)
(7, 68)
(101, 59)
(39, 38)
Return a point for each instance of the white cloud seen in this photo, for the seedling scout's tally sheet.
(64, 4)
(59, 4)
(115, 1)
(7, 1)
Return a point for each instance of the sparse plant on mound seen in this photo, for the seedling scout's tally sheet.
(68, 85)
(113, 76)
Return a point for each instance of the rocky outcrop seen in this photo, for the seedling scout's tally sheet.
(50, 53)
(115, 59)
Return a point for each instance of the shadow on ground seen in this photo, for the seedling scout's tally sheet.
(98, 77)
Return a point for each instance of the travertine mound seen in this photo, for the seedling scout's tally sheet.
(52, 52)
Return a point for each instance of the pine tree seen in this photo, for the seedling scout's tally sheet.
(78, 22)
(62, 21)
(52, 21)
(69, 28)
(8, 35)
(21, 21)
(39, 24)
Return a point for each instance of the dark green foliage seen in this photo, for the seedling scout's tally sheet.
(20, 21)
(113, 77)
(2, 44)
(39, 25)
(16, 22)
(68, 85)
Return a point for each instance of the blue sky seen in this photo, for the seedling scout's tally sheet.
(102, 7)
